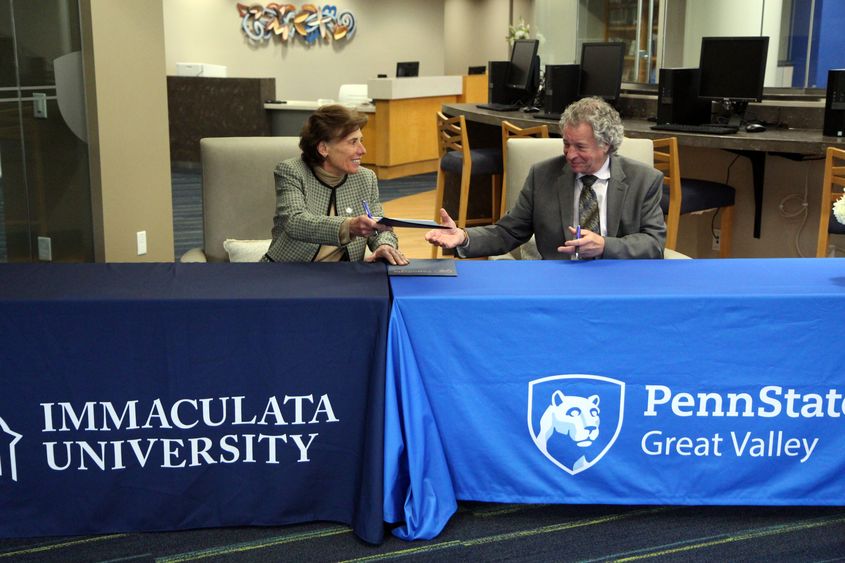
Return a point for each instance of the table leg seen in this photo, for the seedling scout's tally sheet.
(758, 179)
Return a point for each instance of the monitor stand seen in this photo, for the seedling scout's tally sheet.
(734, 110)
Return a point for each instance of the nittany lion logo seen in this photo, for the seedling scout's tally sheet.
(8, 461)
(575, 419)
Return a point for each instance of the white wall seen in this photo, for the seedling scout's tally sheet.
(475, 32)
(556, 21)
(208, 31)
(126, 96)
(732, 17)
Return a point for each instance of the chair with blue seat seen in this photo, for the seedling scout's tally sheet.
(456, 157)
(687, 195)
(834, 175)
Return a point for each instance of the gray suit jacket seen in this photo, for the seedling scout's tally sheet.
(302, 222)
(635, 227)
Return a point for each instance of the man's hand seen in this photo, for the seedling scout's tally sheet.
(388, 254)
(446, 238)
(590, 245)
(363, 226)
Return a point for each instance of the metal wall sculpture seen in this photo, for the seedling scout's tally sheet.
(310, 22)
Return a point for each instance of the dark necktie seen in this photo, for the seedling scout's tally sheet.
(588, 205)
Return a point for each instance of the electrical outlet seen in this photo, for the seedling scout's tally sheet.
(142, 242)
(39, 105)
(716, 238)
(45, 249)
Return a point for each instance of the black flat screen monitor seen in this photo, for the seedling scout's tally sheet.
(521, 75)
(601, 70)
(733, 68)
(407, 69)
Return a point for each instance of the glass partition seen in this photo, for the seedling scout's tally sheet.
(45, 194)
(805, 35)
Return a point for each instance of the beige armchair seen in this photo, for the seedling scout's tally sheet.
(524, 152)
(239, 196)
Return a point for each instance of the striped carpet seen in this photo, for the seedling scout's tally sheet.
(492, 532)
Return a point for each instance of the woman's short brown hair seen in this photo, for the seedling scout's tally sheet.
(328, 123)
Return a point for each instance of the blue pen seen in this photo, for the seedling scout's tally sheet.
(577, 236)
(367, 209)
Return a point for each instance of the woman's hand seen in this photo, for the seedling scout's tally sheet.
(363, 226)
(388, 254)
(446, 238)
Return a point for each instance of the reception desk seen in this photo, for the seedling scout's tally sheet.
(402, 133)
(692, 382)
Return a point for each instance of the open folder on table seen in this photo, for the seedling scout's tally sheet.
(424, 267)
(411, 223)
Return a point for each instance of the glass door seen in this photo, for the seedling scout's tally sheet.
(632, 22)
(45, 193)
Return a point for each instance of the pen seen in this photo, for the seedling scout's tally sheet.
(367, 208)
(577, 236)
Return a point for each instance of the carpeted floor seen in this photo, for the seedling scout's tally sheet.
(493, 532)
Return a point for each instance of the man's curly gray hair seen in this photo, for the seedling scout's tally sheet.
(598, 114)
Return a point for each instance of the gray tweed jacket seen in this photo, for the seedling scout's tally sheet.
(635, 227)
(302, 223)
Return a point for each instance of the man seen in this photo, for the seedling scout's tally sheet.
(612, 201)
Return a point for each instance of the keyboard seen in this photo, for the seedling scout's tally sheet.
(547, 116)
(708, 129)
(500, 107)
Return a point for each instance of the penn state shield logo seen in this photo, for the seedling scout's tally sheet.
(575, 419)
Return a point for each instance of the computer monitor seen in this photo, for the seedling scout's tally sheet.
(407, 69)
(524, 68)
(601, 70)
(732, 71)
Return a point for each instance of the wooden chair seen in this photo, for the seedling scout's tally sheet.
(510, 130)
(834, 174)
(456, 157)
(687, 195)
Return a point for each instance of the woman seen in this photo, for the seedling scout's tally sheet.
(322, 197)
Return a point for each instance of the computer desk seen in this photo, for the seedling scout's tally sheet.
(795, 144)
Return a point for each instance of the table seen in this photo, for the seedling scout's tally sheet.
(690, 382)
(790, 143)
(170, 396)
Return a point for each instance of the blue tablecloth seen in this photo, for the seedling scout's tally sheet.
(171, 396)
(643, 382)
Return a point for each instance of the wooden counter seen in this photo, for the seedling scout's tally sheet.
(402, 133)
